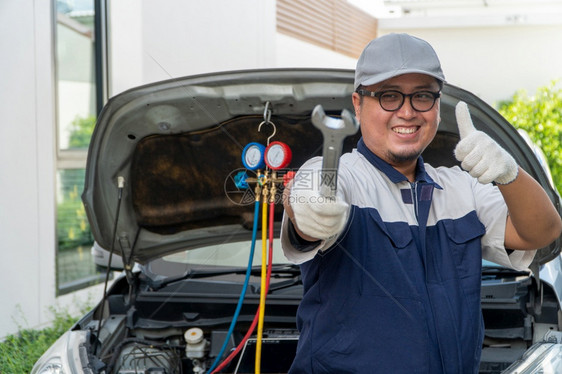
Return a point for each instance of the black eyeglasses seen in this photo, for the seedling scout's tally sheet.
(391, 101)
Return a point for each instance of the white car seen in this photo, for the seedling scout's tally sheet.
(166, 188)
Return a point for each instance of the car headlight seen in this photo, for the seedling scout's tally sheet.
(63, 357)
(53, 366)
(543, 357)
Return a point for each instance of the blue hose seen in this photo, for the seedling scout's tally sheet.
(246, 281)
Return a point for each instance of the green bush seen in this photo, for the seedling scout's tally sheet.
(541, 116)
(19, 352)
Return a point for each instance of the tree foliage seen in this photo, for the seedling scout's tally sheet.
(541, 116)
(73, 229)
(81, 131)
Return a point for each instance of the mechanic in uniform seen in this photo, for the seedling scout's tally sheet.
(392, 267)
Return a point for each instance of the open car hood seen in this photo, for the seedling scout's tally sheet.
(176, 146)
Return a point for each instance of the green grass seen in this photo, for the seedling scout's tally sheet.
(19, 352)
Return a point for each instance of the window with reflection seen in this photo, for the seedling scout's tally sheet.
(78, 84)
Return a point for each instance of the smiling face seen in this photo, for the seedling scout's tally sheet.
(398, 137)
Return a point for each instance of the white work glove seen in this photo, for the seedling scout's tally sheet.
(315, 215)
(480, 155)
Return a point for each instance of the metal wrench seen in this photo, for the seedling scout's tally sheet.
(334, 131)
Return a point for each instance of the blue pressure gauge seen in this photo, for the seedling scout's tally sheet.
(253, 156)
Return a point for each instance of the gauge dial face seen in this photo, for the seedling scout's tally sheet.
(278, 155)
(252, 156)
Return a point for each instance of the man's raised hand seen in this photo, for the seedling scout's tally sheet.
(480, 155)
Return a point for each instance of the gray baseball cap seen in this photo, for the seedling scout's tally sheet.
(395, 54)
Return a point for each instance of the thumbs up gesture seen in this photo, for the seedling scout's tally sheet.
(480, 155)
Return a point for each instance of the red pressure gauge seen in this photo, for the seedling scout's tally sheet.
(277, 155)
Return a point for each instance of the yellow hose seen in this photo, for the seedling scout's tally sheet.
(262, 286)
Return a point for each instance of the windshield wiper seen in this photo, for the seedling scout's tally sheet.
(277, 271)
(501, 271)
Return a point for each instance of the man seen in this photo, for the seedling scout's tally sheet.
(391, 268)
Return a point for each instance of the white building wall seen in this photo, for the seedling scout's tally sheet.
(176, 38)
(184, 38)
(26, 162)
(291, 52)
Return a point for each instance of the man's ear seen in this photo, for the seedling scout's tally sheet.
(356, 99)
(439, 113)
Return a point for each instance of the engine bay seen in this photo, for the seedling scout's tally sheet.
(152, 335)
(158, 333)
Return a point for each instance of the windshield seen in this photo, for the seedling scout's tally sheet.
(233, 254)
(216, 256)
(499, 273)
(486, 263)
